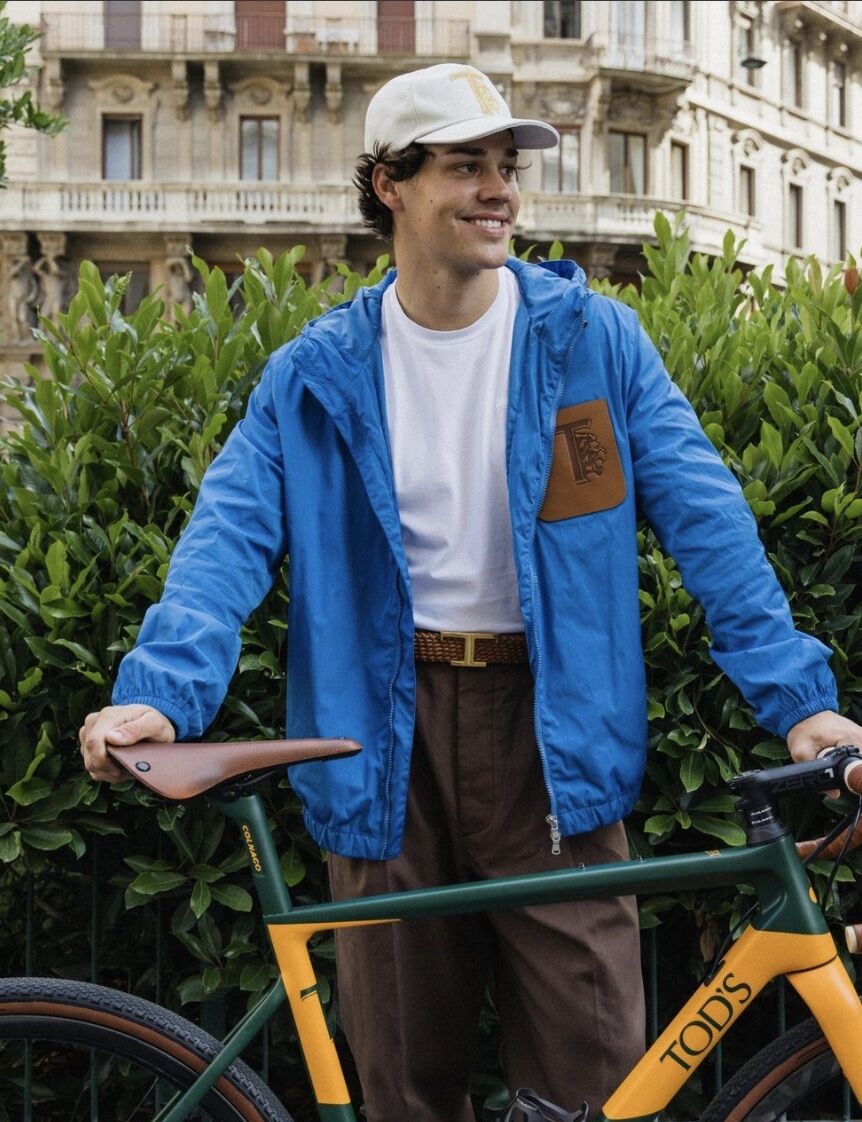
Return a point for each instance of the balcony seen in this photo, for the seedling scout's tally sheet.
(822, 16)
(628, 220)
(644, 61)
(170, 206)
(200, 33)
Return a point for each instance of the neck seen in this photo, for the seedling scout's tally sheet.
(436, 299)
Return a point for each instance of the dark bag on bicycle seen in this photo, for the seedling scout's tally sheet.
(531, 1108)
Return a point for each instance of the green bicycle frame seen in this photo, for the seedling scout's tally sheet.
(789, 937)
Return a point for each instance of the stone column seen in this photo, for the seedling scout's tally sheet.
(719, 162)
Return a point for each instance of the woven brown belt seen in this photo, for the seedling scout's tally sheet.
(469, 648)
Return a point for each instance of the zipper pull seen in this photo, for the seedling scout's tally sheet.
(556, 836)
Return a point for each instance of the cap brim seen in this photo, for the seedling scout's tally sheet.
(526, 134)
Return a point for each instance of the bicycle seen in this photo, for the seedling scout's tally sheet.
(788, 937)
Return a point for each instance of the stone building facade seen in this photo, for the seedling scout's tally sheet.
(228, 124)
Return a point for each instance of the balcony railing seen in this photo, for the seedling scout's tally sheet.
(154, 206)
(644, 54)
(186, 206)
(834, 19)
(626, 218)
(198, 32)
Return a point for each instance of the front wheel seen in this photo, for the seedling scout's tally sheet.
(71, 1051)
(794, 1077)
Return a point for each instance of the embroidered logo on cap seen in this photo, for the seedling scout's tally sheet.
(484, 93)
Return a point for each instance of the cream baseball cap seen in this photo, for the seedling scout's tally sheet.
(446, 104)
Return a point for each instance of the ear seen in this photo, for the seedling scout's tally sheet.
(387, 190)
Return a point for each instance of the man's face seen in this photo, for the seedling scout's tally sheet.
(459, 210)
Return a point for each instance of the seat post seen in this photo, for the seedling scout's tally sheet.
(249, 814)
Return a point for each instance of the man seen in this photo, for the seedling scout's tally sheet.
(453, 462)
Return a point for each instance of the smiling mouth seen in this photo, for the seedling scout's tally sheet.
(488, 223)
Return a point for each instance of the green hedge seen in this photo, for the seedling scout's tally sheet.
(98, 482)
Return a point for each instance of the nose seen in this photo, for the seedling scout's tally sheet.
(496, 186)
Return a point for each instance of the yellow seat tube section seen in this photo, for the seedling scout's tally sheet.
(290, 943)
(832, 998)
(754, 960)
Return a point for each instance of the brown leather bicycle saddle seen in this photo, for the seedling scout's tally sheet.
(181, 771)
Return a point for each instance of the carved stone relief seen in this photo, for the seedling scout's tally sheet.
(261, 93)
(20, 290)
(598, 260)
(683, 122)
(55, 90)
(564, 104)
(52, 269)
(123, 91)
(632, 108)
(301, 92)
(179, 273)
(333, 92)
(180, 88)
(796, 163)
(840, 179)
(213, 94)
(748, 142)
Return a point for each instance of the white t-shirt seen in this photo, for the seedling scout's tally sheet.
(446, 399)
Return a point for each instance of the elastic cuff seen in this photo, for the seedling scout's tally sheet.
(820, 704)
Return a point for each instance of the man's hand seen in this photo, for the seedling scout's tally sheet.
(119, 724)
(824, 730)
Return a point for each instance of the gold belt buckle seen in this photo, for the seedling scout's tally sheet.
(469, 638)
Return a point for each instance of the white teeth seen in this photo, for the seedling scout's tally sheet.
(488, 223)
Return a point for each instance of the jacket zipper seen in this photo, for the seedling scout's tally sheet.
(551, 820)
(390, 762)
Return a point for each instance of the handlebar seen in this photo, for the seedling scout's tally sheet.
(848, 772)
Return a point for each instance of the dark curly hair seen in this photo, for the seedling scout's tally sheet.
(400, 165)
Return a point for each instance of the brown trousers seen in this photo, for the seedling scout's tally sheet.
(566, 977)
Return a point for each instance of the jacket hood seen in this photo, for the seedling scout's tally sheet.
(554, 295)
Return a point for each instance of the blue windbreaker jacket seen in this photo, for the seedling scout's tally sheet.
(308, 472)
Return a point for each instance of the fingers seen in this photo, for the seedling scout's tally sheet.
(810, 737)
(119, 724)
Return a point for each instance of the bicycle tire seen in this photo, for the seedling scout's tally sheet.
(120, 1030)
(783, 1081)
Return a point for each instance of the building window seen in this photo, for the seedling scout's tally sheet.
(259, 24)
(561, 166)
(122, 23)
(627, 158)
(839, 230)
(121, 147)
(747, 191)
(678, 170)
(795, 231)
(839, 94)
(794, 69)
(680, 22)
(258, 147)
(562, 19)
(396, 27)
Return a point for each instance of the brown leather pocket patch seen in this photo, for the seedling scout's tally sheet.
(586, 473)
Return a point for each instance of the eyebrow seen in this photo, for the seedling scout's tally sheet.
(510, 153)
